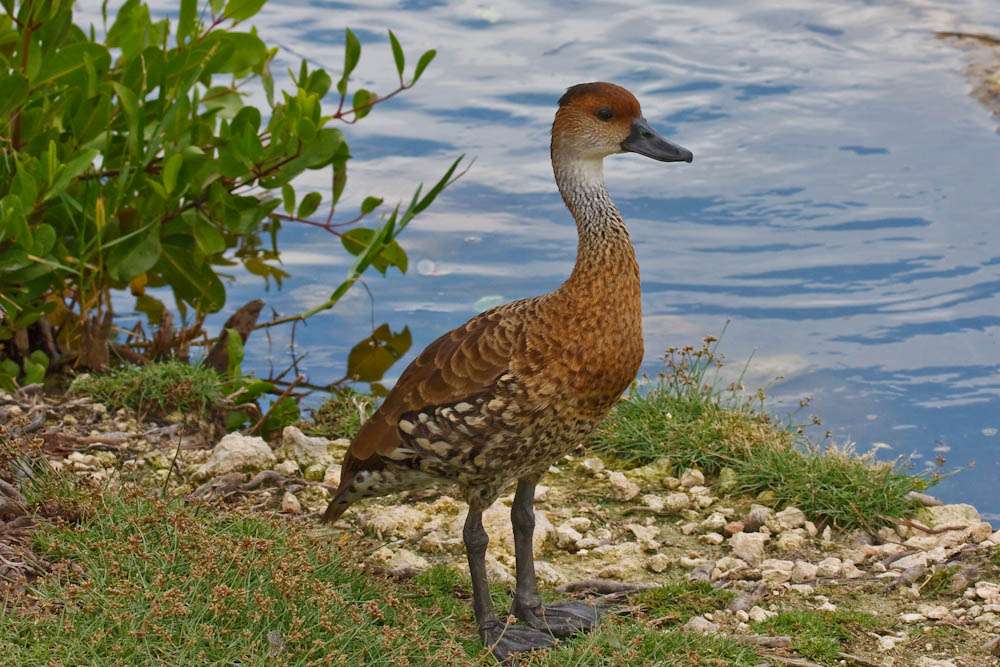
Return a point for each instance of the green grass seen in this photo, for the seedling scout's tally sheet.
(689, 419)
(147, 581)
(821, 635)
(158, 389)
(675, 603)
(162, 583)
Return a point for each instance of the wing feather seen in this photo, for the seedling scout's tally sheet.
(461, 363)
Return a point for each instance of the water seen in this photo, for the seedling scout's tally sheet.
(841, 211)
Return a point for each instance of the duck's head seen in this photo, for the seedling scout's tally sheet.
(598, 119)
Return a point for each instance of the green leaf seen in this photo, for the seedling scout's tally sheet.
(151, 306)
(216, 6)
(283, 413)
(422, 64)
(35, 366)
(170, 170)
(25, 185)
(352, 53)
(83, 161)
(394, 255)
(68, 64)
(13, 92)
(13, 224)
(44, 241)
(397, 54)
(362, 241)
(186, 20)
(370, 204)
(130, 103)
(135, 254)
(234, 348)
(288, 198)
(356, 241)
(319, 82)
(372, 357)
(237, 52)
(241, 10)
(194, 283)
(208, 239)
(309, 204)
(363, 101)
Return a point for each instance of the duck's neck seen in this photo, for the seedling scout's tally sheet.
(605, 259)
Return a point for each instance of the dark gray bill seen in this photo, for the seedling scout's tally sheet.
(645, 141)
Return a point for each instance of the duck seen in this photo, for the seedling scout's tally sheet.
(504, 396)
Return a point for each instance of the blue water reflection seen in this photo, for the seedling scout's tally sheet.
(841, 210)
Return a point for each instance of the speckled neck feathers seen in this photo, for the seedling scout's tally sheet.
(605, 261)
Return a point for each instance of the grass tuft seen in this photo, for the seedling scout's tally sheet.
(340, 415)
(675, 603)
(688, 418)
(155, 389)
(820, 635)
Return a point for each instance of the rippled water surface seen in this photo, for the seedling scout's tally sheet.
(841, 210)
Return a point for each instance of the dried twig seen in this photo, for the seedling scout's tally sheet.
(922, 528)
(858, 659)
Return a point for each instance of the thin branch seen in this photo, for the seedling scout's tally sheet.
(274, 405)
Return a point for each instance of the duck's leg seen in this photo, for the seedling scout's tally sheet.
(561, 619)
(504, 640)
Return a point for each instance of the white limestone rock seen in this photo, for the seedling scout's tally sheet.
(715, 522)
(788, 518)
(829, 567)
(237, 453)
(645, 535)
(849, 570)
(567, 537)
(776, 571)
(906, 562)
(401, 521)
(935, 612)
(803, 571)
(622, 488)
(759, 614)
(701, 625)
(658, 563)
(676, 502)
(692, 477)
(964, 518)
(287, 468)
(547, 574)
(303, 449)
(790, 540)
(593, 465)
(653, 502)
(332, 475)
(406, 559)
(749, 547)
(290, 504)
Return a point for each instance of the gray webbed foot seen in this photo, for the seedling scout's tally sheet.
(561, 619)
(505, 641)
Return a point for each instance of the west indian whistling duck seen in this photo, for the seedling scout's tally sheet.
(514, 389)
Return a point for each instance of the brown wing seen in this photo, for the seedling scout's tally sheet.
(459, 364)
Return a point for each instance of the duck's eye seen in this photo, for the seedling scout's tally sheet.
(605, 114)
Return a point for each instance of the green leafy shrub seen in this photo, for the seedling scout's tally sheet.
(133, 163)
